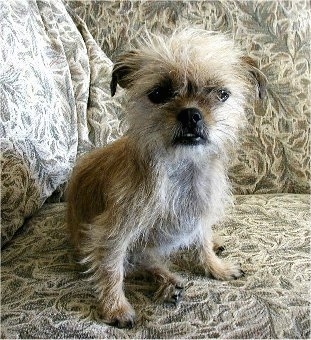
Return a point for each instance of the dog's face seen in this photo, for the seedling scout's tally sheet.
(186, 91)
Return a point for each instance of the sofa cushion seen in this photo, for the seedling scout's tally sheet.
(45, 296)
(55, 103)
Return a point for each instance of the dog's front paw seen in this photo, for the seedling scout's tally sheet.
(225, 271)
(122, 316)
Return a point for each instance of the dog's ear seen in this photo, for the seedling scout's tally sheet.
(122, 71)
(256, 74)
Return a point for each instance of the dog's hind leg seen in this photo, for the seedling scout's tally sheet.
(217, 267)
(170, 286)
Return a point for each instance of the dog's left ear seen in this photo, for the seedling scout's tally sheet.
(256, 74)
(123, 71)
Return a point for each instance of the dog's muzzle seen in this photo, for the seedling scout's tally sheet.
(191, 132)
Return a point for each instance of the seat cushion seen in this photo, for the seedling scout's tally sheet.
(44, 295)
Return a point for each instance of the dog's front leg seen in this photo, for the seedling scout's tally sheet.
(105, 260)
(211, 263)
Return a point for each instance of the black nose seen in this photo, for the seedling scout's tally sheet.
(190, 117)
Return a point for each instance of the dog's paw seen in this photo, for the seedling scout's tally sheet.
(170, 292)
(121, 317)
(225, 271)
(218, 247)
(121, 322)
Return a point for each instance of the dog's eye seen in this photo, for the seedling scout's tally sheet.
(160, 94)
(223, 95)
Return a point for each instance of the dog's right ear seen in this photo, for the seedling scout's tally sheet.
(123, 71)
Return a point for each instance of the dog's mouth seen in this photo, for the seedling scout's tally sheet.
(190, 138)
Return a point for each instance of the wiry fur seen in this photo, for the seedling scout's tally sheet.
(142, 197)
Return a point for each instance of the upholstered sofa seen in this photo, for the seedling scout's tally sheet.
(55, 67)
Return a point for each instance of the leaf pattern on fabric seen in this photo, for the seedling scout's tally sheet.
(55, 103)
(46, 296)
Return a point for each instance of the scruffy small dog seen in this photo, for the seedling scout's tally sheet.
(164, 184)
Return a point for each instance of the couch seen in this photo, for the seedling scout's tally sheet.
(55, 66)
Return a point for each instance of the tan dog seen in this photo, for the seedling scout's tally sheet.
(164, 184)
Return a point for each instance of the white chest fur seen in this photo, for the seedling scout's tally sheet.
(184, 195)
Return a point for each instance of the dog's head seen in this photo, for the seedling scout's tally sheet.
(187, 91)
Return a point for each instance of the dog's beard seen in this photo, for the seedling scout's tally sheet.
(185, 136)
(173, 144)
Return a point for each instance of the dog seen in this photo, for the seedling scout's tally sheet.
(163, 185)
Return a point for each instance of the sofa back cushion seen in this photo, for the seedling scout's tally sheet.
(55, 103)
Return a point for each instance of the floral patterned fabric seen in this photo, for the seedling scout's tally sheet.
(45, 296)
(55, 104)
